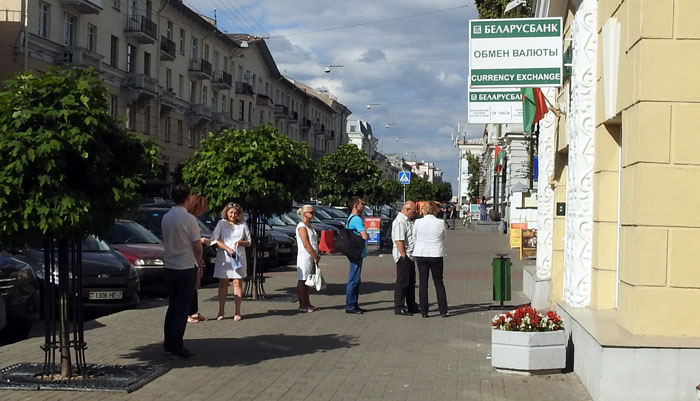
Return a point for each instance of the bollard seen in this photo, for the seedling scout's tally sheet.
(501, 278)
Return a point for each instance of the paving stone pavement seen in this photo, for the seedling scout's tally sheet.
(276, 353)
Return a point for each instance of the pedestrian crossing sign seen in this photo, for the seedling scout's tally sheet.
(404, 177)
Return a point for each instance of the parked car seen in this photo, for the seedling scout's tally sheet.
(317, 224)
(286, 247)
(326, 218)
(19, 298)
(335, 213)
(143, 249)
(109, 280)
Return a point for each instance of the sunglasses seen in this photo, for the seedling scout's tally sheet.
(310, 211)
(236, 205)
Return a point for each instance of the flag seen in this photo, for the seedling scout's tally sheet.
(534, 107)
(498, 156)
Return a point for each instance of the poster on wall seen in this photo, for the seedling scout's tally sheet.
(528, 247)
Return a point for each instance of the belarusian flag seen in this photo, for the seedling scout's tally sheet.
(534, 107)
(498, 156)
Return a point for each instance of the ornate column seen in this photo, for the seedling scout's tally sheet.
(545, 192)
(580, 128)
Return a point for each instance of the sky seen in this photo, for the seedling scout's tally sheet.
(409, 57)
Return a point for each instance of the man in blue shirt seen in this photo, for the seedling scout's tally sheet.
(357, 226)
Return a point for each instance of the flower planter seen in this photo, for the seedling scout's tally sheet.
(528, 352)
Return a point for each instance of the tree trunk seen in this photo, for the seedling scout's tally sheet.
(63, 305)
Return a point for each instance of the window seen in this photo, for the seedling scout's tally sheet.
(116, 4)
(130, 116)
(92, 38)
(240, 73)
(230, 109)
(114, 51)
(69, 29)
(262, 116)
(182, 41)
(215, 62)
(113, 105)
(146, 63)
(204, 95)
(225, 69)
(250, 112)
(147, 120)
(206, 52)
(223, 104)
(241, 110)
(166, 131)
(169, 30)
(194, 50)
(352, 128)
(181, 86)
(44, 18)
(214, 103)
(168, 79)
(179, 132)
(190, 137)
(193, 92)
(131, 10)
(130, 58)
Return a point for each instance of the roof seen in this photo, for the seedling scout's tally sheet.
(260, 44)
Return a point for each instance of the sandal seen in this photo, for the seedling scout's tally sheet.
(199, 317)
(237, 317)
(220, 317)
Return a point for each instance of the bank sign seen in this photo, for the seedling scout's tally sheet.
(495, 106)
(519, 52)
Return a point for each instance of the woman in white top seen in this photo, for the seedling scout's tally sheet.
(232, 236)
(429, 249)
(307, 256)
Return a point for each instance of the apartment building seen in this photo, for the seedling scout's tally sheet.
(171, 74)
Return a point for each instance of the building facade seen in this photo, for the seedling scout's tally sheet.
(171, 74)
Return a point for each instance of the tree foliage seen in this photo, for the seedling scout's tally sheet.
(66, 167)
(489, 9)
(344, 173)
(384, 193)
(474, 166)
(261, 169)
(420, 189)
(443, 192)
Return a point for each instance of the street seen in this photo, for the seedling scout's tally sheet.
(277, 353)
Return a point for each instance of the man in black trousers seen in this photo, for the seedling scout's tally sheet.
(402, 237)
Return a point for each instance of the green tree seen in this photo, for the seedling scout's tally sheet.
(489, 9)
(344, 173)
(67, 169)
(474, 168)
(420, 189)
(260, 168)
(443, 192)
(386, 192)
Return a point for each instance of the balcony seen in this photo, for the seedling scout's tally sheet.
(264, 101)
(330, 134)
(221, 80)
(141, 29)
(142, 86)
(294, 117)
(167, 49)
(281, 111)
(81, 56)
(199, 113)
(319, 129)
(305, 124)
(200, 69)
(167, 100)
(84, 6)
(244, 88)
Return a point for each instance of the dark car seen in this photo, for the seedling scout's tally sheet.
(19, 298)
(109, 280)
(286, 247)
(317, 224)
(326, 217)
(335, 213)
(142, 249)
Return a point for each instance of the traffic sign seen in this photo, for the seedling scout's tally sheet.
(404, 177)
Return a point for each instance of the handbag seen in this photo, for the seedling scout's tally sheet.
(234, 260)
(349, 244)
(315, 279)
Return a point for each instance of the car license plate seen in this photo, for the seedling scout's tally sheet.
(105, 295)
(266, 254)
(284, 250)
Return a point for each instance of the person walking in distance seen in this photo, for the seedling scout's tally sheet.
(307, 256)
(356, 225)
(402, 237)
(452, 215)
(429, 249)
(182, 257)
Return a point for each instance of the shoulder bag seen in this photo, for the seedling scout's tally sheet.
(315, 279)
(348, 243)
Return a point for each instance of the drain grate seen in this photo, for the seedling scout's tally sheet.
(124, 378)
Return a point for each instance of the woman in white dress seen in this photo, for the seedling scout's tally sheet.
(307, 256)
(232, 236)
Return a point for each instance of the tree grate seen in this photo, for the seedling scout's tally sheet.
(115, 378)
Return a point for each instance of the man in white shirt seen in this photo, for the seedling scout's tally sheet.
(402, 237)
(182, 257)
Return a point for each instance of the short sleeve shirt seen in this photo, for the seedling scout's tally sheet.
(180, 230)
(402, 230)
(357, 225)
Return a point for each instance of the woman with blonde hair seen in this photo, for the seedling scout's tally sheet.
(307, 256)
(429, 250)
(232, 236)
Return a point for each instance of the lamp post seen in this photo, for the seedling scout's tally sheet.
(328, 69)
(369, 105)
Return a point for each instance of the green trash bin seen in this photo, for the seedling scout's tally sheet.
(501, 278)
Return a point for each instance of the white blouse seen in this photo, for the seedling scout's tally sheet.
(429, 237)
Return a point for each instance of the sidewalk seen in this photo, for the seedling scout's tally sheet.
(276, 353)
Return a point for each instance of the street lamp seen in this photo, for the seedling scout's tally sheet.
(514, 4)
(328, 69)
(387, 125)
(369, 105)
